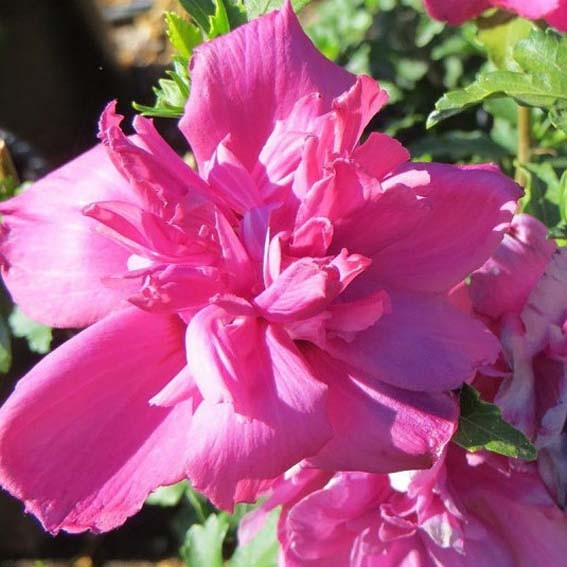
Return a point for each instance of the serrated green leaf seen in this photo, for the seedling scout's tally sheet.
(171, 94)
(5, 347)
(183, 35)
(491, 85)
(38, 336)
(167, 496)
(481, 427)
(203, 543)
(541, 81)
(262, 551)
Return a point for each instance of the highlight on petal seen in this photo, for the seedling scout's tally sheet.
(46, 241)
(79, 442)
(239, 80)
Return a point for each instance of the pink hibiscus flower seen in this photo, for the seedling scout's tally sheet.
(457, 514)
(522, 292)
(289, 302)
(456, 12)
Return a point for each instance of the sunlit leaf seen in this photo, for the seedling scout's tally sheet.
(481, 427)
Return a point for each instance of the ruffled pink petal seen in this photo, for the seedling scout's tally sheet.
(380, 155)
(231, 181)
(46, 241)
(242, 85)
(353, 111)
(469, 210)
(546, 305)
(537, 534)
(161, 178)
(456, 12)
(232, 455)
(321, 528)
(378, 428)
(79, 442)
(504, 283)
(423, 344)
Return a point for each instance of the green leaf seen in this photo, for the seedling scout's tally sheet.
(262, 551)
(171, 94)
(218, 22)
(542, 193)
(38, 336)
(183, 35)
(216, 17)
(200, 11)
(562, 198)
(541, 81)
(500, 41)
(457, 145)
(255, 8)
(8, 187)
(203, 543)
(168, 496)
(5, 347)
(481, 427)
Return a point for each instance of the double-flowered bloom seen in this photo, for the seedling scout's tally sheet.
(456, 12)
(293, 300)
(469, 510)
(522, 294)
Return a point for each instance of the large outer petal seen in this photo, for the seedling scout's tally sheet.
(469, 209)
(245, 81)
(231, 455)
(53, 257)
(423, 344)
(79, 442)
(378, 428)
(456, 12)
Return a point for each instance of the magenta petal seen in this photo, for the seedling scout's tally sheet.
(530, 9)
(504, 283)
(79, 442)
(380, 154)
(456, 12)
(379, 428)
(546, 304)
(242, 84)
(423, 344)
(558, 18)
(469, 209)
(231, 455)
(47, 240)
(354, 110)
